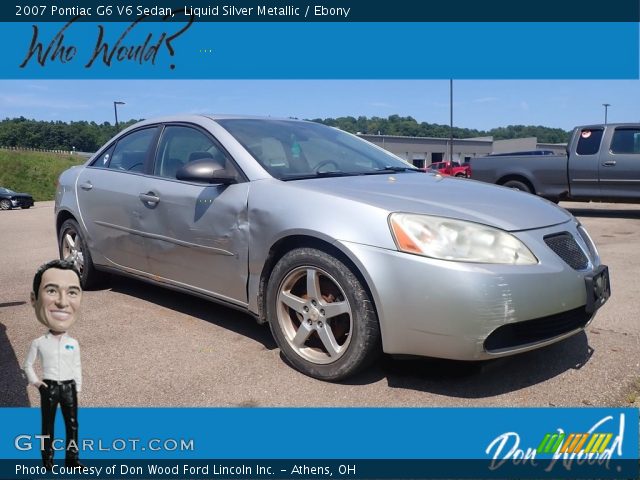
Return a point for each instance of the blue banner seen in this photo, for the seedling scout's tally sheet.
(485, 442)
(184, 48)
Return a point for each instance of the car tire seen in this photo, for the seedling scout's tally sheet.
(461, 175)
(73, 247)
(517, 185)
(5, 204)
(26, 208)
(321, 316)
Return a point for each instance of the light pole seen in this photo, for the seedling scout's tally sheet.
(451, 123)
(115, 110)
(606, 107)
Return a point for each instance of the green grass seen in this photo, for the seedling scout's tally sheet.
(35, 173)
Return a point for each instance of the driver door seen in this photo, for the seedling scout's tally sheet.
(197, 233)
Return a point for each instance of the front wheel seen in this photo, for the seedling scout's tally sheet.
(5, 204)
(73, 248)
(320, 315)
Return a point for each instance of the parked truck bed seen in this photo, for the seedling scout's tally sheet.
(602, 164)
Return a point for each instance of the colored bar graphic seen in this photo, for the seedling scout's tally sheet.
(566, 444)
(553, 443)
(543, 443)
(584, 439)
(605, 443)
(591, 442)
(596, 446)
(556, 446)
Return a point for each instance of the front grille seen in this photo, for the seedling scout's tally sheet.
(566, 247)
(519, 334)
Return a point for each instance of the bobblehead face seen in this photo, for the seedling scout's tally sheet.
(58, 301)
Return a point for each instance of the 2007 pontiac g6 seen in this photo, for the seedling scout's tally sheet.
(334, 242)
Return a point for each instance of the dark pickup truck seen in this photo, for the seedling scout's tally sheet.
(602, 163)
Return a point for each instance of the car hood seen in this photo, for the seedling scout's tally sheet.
(429, 194)
(17, 194)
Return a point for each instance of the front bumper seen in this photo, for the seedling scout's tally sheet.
(22, 202)
(449, 309)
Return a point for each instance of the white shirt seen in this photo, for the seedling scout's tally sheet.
(59, 356)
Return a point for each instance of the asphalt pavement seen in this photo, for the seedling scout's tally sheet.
(148, 346)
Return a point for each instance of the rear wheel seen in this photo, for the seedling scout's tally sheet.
(5, 204)
(321, 316)
(517, 185)
(73, 248)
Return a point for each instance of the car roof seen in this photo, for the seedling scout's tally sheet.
(200, 119)
(197, 118)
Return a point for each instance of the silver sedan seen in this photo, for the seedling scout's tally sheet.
(344, 249)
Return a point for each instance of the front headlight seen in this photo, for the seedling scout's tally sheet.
(457, 240)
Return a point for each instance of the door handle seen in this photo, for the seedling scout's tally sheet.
(609, 163)
(86, 186)
(149, 197)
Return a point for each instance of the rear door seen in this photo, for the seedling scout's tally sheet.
(108, 198)
(619, 166)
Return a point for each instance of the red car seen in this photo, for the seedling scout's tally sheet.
(457, 170)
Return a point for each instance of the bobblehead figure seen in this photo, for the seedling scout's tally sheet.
(56, 298)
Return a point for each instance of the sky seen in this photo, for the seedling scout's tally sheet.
(477, 104)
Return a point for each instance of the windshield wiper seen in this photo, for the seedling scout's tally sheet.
(393, 169)
(332, 173)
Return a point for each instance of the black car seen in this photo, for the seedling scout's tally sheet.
(10, 199)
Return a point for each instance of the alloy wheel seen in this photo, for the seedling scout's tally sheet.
(314, 314)
(72, 248)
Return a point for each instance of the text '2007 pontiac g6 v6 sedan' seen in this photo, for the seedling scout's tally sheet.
(334, 242)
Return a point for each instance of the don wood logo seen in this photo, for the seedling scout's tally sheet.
(595, 446)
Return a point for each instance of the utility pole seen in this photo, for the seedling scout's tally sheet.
(115, 110)
(451, 123)
(606, 108)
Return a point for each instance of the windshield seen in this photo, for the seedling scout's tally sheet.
(6, 191)
(291, 150)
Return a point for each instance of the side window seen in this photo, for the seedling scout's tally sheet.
(103, 159)
(625, 140)
(589, 141)
(131, 151)
(180, 145)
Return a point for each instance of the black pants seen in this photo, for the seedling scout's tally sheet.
(63, 393)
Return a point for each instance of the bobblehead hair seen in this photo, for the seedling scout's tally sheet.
(59, 264)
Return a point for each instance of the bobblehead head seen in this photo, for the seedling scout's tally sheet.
(56, 297)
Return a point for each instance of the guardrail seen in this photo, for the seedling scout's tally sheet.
(44, 150)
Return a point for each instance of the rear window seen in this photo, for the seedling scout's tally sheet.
(589, 141)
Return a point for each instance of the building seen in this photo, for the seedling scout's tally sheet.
(423, 151)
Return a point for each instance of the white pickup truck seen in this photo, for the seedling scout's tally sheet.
(602, 163)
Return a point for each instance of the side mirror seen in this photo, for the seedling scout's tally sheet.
(205, 170)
